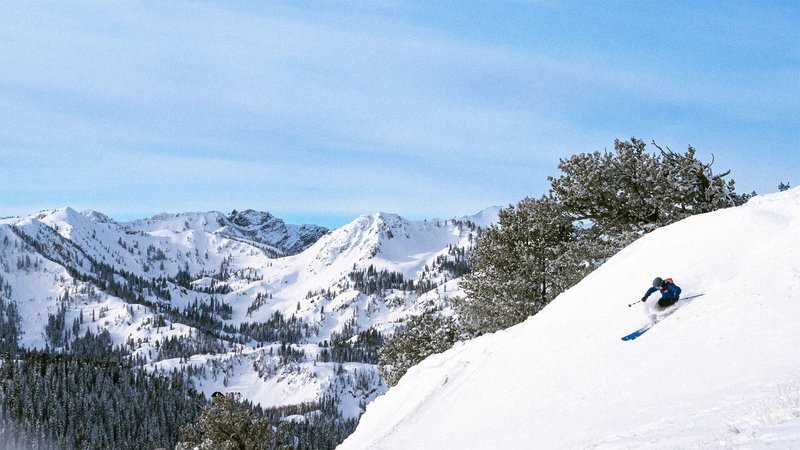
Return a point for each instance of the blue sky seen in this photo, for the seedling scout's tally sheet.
(321, 111)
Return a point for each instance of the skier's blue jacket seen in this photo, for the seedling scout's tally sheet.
(670, 291)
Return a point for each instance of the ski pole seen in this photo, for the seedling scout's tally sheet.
(684, 298)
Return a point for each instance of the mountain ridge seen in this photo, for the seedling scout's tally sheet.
(289, 328)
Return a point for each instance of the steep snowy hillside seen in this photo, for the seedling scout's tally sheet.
(722, 371)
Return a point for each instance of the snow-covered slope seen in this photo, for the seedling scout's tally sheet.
(722, 371)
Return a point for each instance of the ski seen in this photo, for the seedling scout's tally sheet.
(636, 333)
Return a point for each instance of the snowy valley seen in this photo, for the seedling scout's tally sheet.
(288, 316)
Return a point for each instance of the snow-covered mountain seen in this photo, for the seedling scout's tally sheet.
(283, 314)
(254, 227)
(723, 371)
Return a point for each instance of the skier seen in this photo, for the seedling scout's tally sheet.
(670, 292)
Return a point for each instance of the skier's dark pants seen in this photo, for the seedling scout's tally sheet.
(667, 302)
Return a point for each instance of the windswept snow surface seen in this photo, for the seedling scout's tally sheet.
(722, 371)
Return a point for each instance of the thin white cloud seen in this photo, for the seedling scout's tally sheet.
(208, 102)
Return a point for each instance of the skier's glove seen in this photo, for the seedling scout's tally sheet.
(644, 299)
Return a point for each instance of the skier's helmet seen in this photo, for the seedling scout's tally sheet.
(657, 282)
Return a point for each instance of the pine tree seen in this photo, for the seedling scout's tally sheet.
(520, 264)
(630, 191)
(227, 424)
(424, 335)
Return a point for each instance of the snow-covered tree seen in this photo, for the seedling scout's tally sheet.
(520, 264)
(630, 191)
(423, 336)
(227, 424)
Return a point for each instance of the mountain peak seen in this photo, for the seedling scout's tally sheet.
(65, 218)
(97, 216)
(249, 217)
(484, 217)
